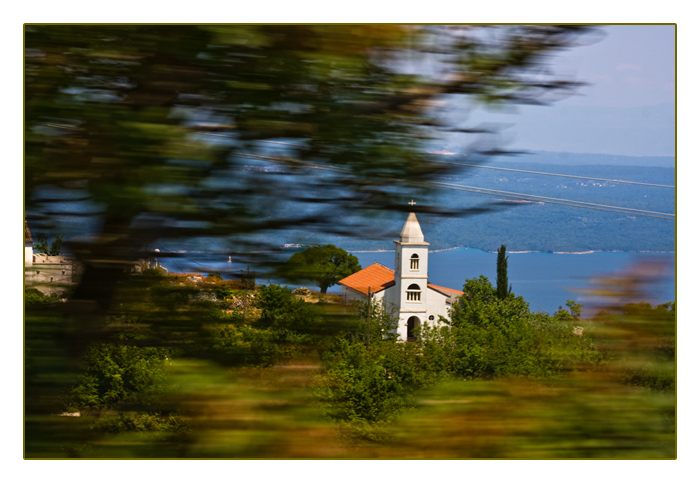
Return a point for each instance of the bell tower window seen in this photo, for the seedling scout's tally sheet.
(414, 262)
(413, 293)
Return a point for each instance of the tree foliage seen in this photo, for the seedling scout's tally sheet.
(279, 307)
(325, 265)
(42, 246)
(496, 337)
(116, 374)
(159, 129)
(369, 386)
(173, 133)
(375, 322)
(502, 287)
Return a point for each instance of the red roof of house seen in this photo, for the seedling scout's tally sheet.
(451, 290)
(377, 277)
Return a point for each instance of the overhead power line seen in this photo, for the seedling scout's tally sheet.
(559, 201)
(559, 175)
(543, 173)
(492, 192)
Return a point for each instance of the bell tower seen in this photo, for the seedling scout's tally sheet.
(411, 277)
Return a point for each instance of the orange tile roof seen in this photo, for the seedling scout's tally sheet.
(377, 277)
(439, 288)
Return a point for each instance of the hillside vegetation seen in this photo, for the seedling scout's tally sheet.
(200, 367)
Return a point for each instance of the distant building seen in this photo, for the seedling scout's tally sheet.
(28, 246)
(53, 273)
(48, 273)
(404, 290)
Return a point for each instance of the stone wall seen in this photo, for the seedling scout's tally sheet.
(47, 269)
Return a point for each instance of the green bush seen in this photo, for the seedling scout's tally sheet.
(279, 308)
(257, 347)
(116, 374)
(33, 296)
(492, 337)
(141, 422)
(370, 386)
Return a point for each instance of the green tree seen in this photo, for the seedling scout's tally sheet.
(42, 246)
(325, 265)
(280, 308)
(164, 132)
(119, 373)
(369, 386)
(502, 288)
(56, 246)
(152, 124)
(493, 337)
(375, 322)
(574, 312)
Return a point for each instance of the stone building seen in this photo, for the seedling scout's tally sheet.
(404, 290)
(28, 246)
(47, 273)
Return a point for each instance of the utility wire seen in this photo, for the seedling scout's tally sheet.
(523, 170)
(454, 163)
(558, 175)
(564, 202)
(492, 192)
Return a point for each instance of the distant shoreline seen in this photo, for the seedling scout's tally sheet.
(515, 252)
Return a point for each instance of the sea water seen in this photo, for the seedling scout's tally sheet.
(545, 280)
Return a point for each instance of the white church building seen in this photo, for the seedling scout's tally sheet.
(405, 290)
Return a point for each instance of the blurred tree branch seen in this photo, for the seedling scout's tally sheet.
(114, 112)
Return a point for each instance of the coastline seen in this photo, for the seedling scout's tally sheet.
(517, 252)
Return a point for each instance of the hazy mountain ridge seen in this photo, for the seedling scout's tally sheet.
(539, 226)
(522, 226)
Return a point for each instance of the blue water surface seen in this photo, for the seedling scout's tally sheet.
(545, 280)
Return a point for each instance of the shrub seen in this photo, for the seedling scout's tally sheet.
(119, 373)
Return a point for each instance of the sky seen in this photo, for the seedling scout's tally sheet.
(627, 106)
(631, 66)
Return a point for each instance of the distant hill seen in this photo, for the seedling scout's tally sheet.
(523, 226)
(537, 226)
(579, 159)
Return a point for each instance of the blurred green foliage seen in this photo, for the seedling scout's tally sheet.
(33, 296)
(280, 308)
(501, 382)
(151, 129)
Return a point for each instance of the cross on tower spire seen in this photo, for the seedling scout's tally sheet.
(411, 202)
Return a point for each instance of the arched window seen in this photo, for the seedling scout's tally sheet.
(414, 262)
(413, 293)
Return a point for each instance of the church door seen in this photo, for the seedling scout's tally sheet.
(412, 322)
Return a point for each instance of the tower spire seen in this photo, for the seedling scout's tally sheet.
(411, 232)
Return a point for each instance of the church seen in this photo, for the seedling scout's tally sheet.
(405, 291)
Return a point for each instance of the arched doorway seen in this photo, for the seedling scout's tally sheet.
(413, 322)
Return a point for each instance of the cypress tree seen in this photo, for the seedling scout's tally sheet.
(502, 289)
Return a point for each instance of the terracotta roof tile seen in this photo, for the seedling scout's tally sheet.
(440, 289)
(376, 276)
